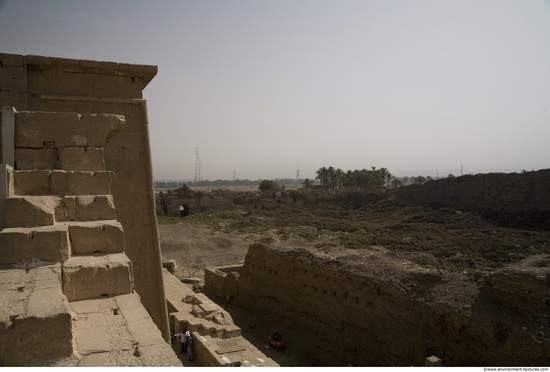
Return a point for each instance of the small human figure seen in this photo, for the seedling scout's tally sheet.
(183, 340)
(189, 345)
(276, 336)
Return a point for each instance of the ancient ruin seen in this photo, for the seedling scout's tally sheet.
(81, 277)
(81, 280)
(389, 308)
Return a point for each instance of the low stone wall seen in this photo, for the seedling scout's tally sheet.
(223, 282)
(172, 202)
(369, 319)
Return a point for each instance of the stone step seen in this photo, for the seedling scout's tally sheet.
(45, 210)
(59, 182)
(96, 237)
(34, 310)
(20, 245)
(91, 276)
(26, 211)
(117, 331)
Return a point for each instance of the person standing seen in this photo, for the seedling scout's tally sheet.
(183, 340)
(189, 345)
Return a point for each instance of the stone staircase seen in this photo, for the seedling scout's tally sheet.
(62, 242)
(61, 209)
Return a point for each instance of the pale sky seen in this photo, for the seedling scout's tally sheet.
(264, 88)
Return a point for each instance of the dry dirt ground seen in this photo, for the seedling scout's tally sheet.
(446, 239)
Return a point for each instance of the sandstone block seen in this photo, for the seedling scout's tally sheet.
(81, 159)
(86, 277)
(44, 315)
(26, 211)
(433, 361)
(86, 208)
(34, 159)
(13, 78)
(96, 237)
(64, 129)
(93, 334)
(90, 183)
(31, 182)
(25, 244)
(81, 183)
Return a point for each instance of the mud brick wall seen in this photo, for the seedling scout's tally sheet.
(497, 192)
(371, 321)
(36, 83)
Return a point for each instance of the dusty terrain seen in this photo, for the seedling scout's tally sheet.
(461, 242)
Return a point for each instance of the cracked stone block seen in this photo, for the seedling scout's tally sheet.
(82, 159)
(28, 244)
(96, 237)
(86, 277)
(26, 211)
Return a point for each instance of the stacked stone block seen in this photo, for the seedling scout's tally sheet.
(62, 209)
(59, 211)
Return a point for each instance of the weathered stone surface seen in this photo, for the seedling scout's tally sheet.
(96, 237)
(64, 129)
(105, 87)
(29, 182)
(25, 211)
(25, 244)
(81, 183)
(13, 78)
(81, 159)
(90, 183)
(37, 311)
(86, 208)
(108, 330)
(35, 159)
(86, 277)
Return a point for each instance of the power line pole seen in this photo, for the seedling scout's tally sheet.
(297, 173)
(234, 176)
(197, 164)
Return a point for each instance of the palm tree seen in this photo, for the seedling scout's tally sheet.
(419, 180)
(322, 175)
(307, 183)
(396, 182)
(389, 176)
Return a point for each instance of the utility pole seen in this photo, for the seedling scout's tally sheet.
(297, 173)
(234, 176)
(197, 165)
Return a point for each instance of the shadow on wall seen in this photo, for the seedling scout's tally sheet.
(184, 210)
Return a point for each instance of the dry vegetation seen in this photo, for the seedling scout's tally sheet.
(458, 240)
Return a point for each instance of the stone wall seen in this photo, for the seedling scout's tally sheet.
(369, 319)
(496, 192)
(36, 83)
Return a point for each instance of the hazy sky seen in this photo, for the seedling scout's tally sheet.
(265, 87)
